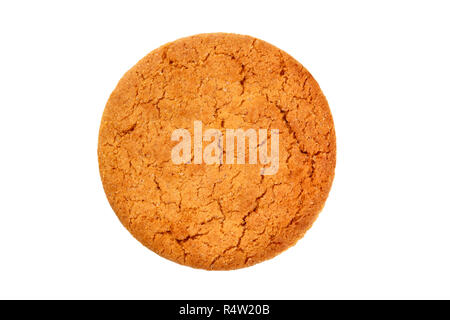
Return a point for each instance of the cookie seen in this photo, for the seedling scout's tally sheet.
(172, 165)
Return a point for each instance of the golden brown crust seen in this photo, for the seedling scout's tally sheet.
(224, 216)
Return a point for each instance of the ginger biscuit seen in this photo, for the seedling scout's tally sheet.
(218, 206)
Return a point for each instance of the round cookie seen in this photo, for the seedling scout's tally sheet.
(216, 216)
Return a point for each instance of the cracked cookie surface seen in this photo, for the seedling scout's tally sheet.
(225, 216)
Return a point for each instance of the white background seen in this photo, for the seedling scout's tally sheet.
(384, 67)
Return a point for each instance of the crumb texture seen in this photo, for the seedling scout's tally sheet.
(223, 216)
